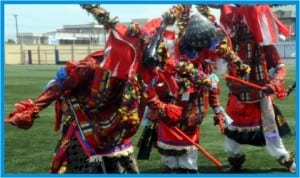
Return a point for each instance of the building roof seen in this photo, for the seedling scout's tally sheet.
(90, 25)
(31, 34)
(285, 10)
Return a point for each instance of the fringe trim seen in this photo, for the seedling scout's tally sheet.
(243, 129)
(95, 159)
(125, 152)
(99, 158)
(177, 147)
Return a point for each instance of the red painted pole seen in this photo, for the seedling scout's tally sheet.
(244, 82)
(201, 149)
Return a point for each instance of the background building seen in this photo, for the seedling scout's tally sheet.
(94, 34)
(81, 34)
(73, 42)
(287, 14)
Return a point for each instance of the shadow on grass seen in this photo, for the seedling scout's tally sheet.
(215, 170)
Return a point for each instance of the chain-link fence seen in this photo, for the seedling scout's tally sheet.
(46, 54)
(287, 49)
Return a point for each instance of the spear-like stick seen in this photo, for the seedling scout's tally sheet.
(291, 88)
(244, 82)
(200, 148)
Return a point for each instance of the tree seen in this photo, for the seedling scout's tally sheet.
(10, 41)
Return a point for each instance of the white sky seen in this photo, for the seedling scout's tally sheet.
(41, 18)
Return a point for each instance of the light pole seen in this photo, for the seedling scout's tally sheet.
(17, 29)
(21, 46)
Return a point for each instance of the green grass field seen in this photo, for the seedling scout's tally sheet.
(31, 151)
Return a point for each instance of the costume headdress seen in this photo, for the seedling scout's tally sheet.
(262, 22)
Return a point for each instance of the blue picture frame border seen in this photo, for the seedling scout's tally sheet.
(2, 81)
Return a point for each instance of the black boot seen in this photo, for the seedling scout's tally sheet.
(235, 162)
(187, 171)
(167, 170)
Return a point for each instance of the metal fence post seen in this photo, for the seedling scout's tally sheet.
(29, 57)
(56, 56)
(39, 54)
(72, 51)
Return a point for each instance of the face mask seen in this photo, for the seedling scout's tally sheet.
(189, 51)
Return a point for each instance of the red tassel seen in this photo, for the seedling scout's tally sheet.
(24, 114)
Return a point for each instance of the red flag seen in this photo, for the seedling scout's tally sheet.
(120, 52)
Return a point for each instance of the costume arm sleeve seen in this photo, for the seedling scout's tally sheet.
(214, 102)
(68, 79)
(278, 74)
(151, 98)
(101, 15)
(274, 61)
(169, 113)
(128, 110)
(214, 97)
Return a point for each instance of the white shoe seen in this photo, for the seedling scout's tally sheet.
(292, 167)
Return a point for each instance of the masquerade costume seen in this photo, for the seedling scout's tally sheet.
(196, 88)
(254, 30)
(98, 103)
